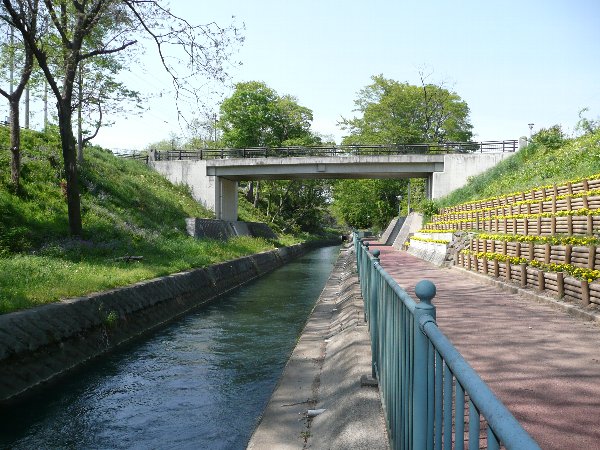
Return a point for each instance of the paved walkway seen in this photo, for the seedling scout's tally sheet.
(541, 362)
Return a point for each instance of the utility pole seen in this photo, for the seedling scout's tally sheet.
(45, 104)
(27, 107)
(12, 60)
(408, 199)
(79, 117)
(215, 125)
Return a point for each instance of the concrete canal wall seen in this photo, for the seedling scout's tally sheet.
(42, 344)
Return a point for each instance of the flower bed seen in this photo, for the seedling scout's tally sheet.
(580, 287)
(574, 188)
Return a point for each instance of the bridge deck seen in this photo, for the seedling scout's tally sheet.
(541, 362)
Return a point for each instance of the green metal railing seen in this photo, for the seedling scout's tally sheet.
(433, 399)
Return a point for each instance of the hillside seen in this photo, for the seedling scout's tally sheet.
(548, 159)
(127, 209)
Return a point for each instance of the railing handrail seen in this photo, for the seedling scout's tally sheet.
(507, 146)
(417, 404)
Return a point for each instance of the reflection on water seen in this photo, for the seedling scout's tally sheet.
(201, 382)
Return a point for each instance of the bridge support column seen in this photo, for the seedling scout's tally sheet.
(429, 186)
(226, 199)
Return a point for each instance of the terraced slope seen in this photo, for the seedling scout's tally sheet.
(546, 238)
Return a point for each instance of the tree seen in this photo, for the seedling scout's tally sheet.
(396, 113)
(365, 203)
(22, 52)
(256, 116)
(123, 22)
(295, 205)
(203, 133)
(585, 125)
(401, 113)
(98, 92)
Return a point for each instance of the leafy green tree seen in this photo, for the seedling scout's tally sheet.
(17, 52)
(100, 97)
(373, 203)
(586, 125)
(367, 203)
(256, 116)
(73, 23)
(295, 205)
(552, 137)
(401, 113)
(396, 113)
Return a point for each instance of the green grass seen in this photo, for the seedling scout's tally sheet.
(536, 165)
(127, 209)
(28, 280)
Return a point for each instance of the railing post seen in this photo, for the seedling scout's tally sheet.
(366, 273)
(372, 315)
(422, 371)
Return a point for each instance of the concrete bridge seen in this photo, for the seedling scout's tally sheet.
(213, 176)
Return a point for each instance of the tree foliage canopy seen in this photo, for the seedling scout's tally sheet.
(62, 34)
(394, 113)
(256, 116)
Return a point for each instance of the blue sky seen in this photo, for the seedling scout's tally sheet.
(513, 62)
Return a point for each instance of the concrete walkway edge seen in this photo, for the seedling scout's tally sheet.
(323, 373)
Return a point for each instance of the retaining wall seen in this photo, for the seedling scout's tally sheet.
(42, 344)
(412, 224)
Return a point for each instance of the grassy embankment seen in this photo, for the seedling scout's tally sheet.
(127, 209)
(543, 162)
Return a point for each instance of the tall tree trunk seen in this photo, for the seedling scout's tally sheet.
(15, 144)
(250, 191)
(70, 164)
(256, 192)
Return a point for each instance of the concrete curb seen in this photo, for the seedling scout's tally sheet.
(324, 373)
(40, 345)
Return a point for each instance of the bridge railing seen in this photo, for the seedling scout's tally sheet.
(340, 150)
(431, 396)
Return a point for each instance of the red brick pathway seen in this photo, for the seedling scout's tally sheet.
(542, 363)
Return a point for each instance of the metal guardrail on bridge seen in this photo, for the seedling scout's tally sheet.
(432, 397)
(339, 150)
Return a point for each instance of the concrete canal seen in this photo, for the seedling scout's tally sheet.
(201, 382)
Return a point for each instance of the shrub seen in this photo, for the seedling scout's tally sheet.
(552, 137)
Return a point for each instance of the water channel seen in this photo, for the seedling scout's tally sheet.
(199, 383)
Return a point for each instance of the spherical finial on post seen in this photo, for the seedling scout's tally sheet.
(425, 290)
(376, 253)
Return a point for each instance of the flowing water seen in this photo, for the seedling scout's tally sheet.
(199, 383)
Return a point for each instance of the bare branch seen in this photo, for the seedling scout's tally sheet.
(106, 51)
(98, 125)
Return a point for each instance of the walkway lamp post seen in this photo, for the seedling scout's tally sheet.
(399, 197)
(408, 199)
